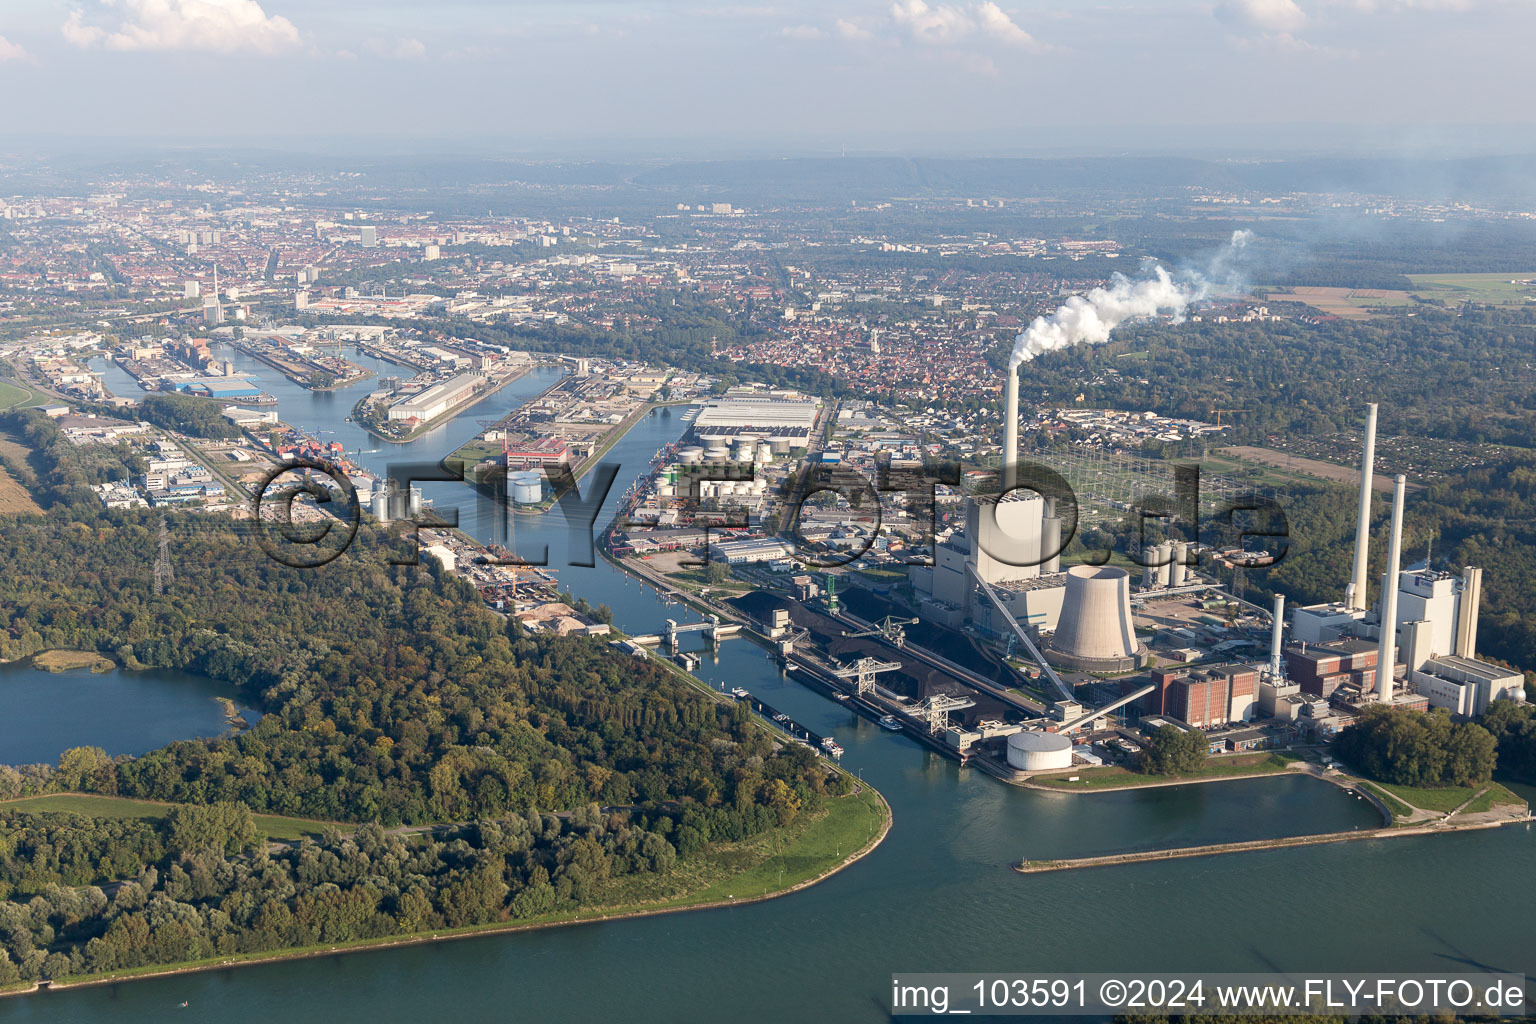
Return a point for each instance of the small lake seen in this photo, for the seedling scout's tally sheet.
(43, 714)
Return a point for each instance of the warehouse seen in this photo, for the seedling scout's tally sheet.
(437, 399)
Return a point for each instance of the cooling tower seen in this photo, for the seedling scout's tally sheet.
(1354, 597)
(1094, 633)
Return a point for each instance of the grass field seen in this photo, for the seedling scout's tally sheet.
(273, 826)
(14, 499)
(1216, 768)
(1396, 806)
(1492, 289)
(1440, 799)
(1494, 796)
(1349, 303)
(12, 395)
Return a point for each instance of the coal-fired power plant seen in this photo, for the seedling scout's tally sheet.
(1095, 633)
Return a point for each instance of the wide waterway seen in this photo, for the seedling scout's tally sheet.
(937, 895)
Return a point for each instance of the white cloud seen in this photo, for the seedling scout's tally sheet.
(802, 32)
(851, 30)
(213, 26)
(11, 51)
(1267, 17)
(398, 49)
(947, 24)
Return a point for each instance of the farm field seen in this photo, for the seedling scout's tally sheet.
(1307, 467)
(1493, 289)
(1348, 303)
(14, 499)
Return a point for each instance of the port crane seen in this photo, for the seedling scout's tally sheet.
(935, 710)
(863, 673)
(890, 627)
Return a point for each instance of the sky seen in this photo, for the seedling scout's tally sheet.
(980, 76)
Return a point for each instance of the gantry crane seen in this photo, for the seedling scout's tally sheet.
(935, 710)
(890, 627)
(863, 673)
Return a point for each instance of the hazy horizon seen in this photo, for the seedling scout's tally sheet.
(656, 77)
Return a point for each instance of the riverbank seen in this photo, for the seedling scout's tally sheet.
(723, 884)
(434, 422)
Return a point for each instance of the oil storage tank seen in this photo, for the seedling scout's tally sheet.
(527, 487)
(1039, 751)
(1095, 633)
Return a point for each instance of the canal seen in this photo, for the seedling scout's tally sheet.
(937, 895)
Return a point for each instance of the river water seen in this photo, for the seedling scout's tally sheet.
(937, 895)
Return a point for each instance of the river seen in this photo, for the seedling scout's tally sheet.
(937, 895)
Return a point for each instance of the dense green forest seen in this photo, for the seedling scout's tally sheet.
(391, 695)
(1466, 375)
(84, 896)
(390, 692)
(1415, 748)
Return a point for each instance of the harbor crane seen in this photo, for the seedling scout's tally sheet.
(863, 673)
(935, 710)
(890, 627)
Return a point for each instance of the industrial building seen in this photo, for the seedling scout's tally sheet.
(436, 400)
(1423, 626)
(783, 419)
(745, 552)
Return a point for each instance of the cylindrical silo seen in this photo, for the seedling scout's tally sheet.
(1164, 559)
(690, 456)
(1039, 751)
(527, 487)
(1180, 571)
(381, 505)
(764, 452)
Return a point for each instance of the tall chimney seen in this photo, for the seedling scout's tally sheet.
(1011, 432)
(1355, 593)
(1466, 619)
(1278, 615)
(1387, 653)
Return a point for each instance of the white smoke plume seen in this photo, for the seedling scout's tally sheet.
(1090, 319)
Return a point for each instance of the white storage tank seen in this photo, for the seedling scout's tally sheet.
(527, 487)
(764, 452)
(381, 505)
(665, 491)
(1039, 751)
(1180, 551)
(717, 453)
(690, 456)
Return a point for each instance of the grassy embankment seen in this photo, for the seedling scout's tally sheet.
(1235, 766)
